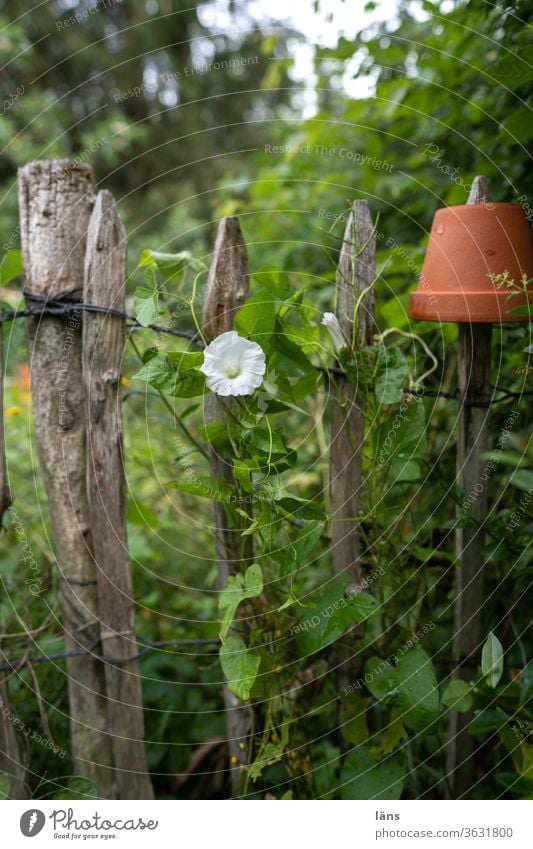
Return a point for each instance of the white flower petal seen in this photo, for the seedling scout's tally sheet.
(331, 323)
(233, 365)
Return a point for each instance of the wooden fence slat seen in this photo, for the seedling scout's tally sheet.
(355, 273)
(473, 373)
(56, 198)
(347, 417)
(226, 290)
(103, 350)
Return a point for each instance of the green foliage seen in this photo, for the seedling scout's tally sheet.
(364, 777)
(438, 117)
(237, 589)
(5, 785)
(78, 789)
(411, 686)
(492, 660)
(458, 696)
(240, 665)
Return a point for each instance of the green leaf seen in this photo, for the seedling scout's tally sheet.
(458, 696)
(362, 777)
(171, 266)
(491, 719)
(492, 660)
(523, 479)
(175, 373)
(240, 665)
(391, 375)
(78, 789)
(186, 384)
(525, 309)
(10, 267)
(275, 280)
(410, 686)
(403, 441)
(5, 785)
(519, 124)
(205, 486)
(514, 69)
(186, 360)
(146, 305)
(271, 754)
(327, 615)
(157, 371)
(237, 589)
(257, 318)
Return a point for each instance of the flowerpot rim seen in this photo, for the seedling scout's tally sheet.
(474, 206)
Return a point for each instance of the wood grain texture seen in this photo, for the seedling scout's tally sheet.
(103, 350)
(54, 195)
(347, 417)
(227, 289)
(228, 283)
(53, 265)
(474, 384)
(355, 273)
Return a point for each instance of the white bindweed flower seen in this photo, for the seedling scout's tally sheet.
(331, 323)
(233, 365)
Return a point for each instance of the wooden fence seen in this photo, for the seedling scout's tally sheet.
(74, 250)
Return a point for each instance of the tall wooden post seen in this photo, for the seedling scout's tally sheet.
(103, 350)
(473, 373)
(227, 289)
(356, 273)
(56, 199)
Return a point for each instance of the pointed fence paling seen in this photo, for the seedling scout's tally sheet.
(227, 288)
(474, 386)
(103, 349)
(76, 404)
(56, 200)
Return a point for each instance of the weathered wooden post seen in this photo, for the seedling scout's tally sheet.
(56, 199)
(470, 246)
(473, 384)
(355, 275)
(227, 288)
(103, 350)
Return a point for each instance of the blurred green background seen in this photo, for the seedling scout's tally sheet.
(188, 112)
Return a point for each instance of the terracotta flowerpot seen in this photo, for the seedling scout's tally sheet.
(466, 244)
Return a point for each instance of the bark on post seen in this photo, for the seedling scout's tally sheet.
(226, 291)
(56, 198)
(103, 350)
(355, 274)
(473, 372)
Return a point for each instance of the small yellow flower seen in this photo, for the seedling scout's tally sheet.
(126, 382)
(233, 760)
(14, 411)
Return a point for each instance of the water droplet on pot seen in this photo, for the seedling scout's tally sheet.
(490, 252)
(440, 229)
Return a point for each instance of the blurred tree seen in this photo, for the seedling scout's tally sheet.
(156, 99)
